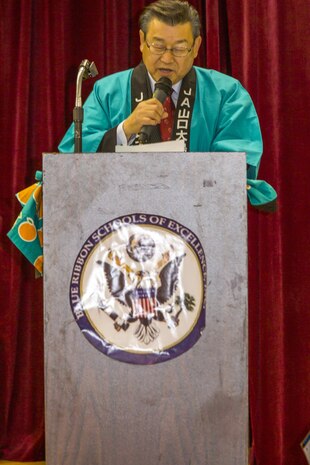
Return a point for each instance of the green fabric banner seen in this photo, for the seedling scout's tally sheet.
(27, 231)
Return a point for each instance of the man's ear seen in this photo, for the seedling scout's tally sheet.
(142, 39)
(197, 44)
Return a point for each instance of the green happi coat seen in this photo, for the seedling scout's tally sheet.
(223, 120)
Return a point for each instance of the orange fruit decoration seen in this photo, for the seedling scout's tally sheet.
(40, 236)
(27, 230)
(38, 264)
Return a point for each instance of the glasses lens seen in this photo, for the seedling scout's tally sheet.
(179, 52)
(158, 49)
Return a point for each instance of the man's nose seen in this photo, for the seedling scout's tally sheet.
(167, 56)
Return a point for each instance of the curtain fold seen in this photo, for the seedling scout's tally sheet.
(267, 47)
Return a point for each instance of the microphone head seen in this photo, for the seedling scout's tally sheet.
(164, 84)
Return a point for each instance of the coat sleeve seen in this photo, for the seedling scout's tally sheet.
(96, 123)
(238, 128)
(107, 106)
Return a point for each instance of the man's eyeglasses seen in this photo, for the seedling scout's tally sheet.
(158, 49)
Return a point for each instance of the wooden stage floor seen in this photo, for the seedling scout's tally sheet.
(5, 462)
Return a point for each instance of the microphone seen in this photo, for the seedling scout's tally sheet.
(87, 69)
(163, 88)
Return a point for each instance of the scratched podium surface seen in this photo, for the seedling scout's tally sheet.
(182, 401)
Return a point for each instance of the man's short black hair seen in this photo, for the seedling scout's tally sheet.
(171, 12)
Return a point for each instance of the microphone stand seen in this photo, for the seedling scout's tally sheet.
(87, 69)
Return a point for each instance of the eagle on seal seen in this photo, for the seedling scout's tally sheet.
(147, 295)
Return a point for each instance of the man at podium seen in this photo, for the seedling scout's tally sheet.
(208, 110)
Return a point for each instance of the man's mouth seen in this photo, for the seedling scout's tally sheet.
(165, 70)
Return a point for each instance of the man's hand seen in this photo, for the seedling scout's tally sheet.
(147, 113)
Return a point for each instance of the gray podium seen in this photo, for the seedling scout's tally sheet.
(125, 406)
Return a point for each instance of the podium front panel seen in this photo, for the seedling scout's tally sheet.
(192, 408)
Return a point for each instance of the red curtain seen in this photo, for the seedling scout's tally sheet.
(264, 44)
